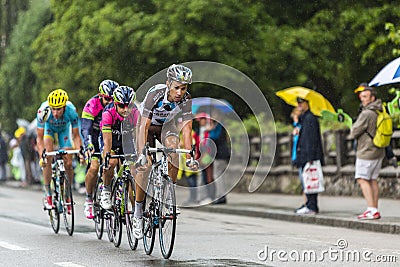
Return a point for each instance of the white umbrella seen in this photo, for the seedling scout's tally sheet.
(22, 123)
(32, 127)
(389, 74)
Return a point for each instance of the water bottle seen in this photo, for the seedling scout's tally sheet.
(119, 194)
(101, 186)
(57, 187)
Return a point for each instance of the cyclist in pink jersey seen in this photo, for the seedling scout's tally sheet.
(118, 126)
(90, 130)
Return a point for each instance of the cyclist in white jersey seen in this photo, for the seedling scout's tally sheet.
(161, 104)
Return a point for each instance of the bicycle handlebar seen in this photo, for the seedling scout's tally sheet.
(59, 152)
(118, 156)
(165, 151)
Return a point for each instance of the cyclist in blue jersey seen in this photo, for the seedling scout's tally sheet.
(91, 117)
(56, 116)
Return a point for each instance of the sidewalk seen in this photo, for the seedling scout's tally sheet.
(337, 211)
(340, 211)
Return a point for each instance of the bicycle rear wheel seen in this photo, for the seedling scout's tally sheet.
(116, 220)
(167, 226)
(67, 203)
(150, 218)
(129, 199)
(54, 215)
(97, 210)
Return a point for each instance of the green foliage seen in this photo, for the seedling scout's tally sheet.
(19, 88)
(394, 37)
(329, 46)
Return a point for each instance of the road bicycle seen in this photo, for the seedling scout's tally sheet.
(61, 191)
(122, 199)
(98, 211)
(160, 202)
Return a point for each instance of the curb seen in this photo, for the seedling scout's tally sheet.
(378, 226)
(354, 224)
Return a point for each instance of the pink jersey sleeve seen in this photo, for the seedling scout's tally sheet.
(92, 108)
(106, 120)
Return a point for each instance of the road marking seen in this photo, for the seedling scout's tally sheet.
(11, 246)
(68, 264)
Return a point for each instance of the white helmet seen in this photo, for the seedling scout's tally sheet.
(43, 114)
(180, 74)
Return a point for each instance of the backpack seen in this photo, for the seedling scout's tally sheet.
(384, 129)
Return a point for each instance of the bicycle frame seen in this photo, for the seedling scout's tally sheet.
(61, 193)
(157, 213)
(122, 212)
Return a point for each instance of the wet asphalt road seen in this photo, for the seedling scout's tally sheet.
(203, 239)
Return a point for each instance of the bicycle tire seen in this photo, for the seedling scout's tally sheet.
(129, 201)
(167, 223)
(108, 217)
(97, 210)
(116, 196)
(67, 203)
(54, 215)
(149, 217)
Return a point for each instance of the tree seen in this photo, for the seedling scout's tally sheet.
(19, 90)
(8, 17)
(328, 46)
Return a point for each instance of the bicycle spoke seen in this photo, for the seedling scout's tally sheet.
(167, 219)
(53, 213)
(129, 201)
(116, 224)
(149, 218)
(68, 204)
(97, 211)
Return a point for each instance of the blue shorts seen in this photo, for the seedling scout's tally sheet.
(63, 137)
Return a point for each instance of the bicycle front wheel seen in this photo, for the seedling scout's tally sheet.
(167, 226)
(129, 199)
(67, 204)
(116, 220)
(54, 215)
(97, 210)
(150, 217)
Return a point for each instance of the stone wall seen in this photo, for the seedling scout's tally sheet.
(336, 184)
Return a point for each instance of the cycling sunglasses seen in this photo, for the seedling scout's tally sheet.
(122, 105)
(106, 97)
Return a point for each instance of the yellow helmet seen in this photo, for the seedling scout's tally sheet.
(57, 98)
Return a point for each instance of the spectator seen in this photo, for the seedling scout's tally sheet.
(296, 112)
(27, 151)
(206, 157)
(186, 172)
(17, 160)
(3, 159)
(390, 156)
(219, 136)
(309, 148)
(368, 156)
